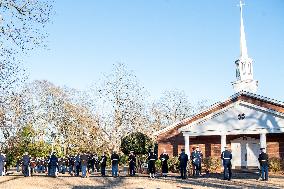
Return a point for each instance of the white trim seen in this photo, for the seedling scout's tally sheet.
(185, 128)
(215, 105)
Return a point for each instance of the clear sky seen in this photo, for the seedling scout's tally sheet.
(170, 44)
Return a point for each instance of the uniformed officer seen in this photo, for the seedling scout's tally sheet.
(26, 163)
(84, 164)
(183, 159)
(196, 159)
(132, 163)
(152, 157)
(103, 164)
(164, 157)
(263, 162)
(226, 156)
(77, 164)
(53, 164)
(114, 162)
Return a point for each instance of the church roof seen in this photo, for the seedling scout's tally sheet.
(248, 97)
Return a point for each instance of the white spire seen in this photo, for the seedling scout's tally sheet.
(243, 42)
(244, 65)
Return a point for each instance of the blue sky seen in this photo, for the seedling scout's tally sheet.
(189, 45)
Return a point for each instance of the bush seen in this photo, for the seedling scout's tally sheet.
(212, 164)
(274, 164)
(158, 165)
(173, 164)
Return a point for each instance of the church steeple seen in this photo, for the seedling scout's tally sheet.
(244, 66)
(243, 42)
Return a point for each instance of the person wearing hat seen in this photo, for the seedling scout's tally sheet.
(53, 164)
(226, 156)
(152, 157)
(196, 158)
(263, 162)
(183, 159)
(132, 163)
(103, 164)
(26, 160)
(114, 162)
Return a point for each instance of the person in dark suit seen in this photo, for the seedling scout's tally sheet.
(103, 164)
(132, 163)
(164, 157)
(226, 156)
(183, 159)
(263, 162)
(26, 163)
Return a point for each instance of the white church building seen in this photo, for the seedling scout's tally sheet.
(244, 122)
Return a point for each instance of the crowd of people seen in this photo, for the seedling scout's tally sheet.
(86, 163)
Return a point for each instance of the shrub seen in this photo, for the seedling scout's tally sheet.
(158, 165)
(274, 164)
(173, 164)
(212, 164)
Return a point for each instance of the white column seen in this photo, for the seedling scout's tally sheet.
(223, 142)
(186, 144)
(263, 140)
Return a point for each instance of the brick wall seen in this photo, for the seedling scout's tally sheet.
(211, 145)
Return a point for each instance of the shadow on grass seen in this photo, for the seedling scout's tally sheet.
(106, 182)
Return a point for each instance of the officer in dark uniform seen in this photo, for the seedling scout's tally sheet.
(183, 159)
(132, 163)
(164, 157)
(103, 164)
(152, 157)
(84, 163)
(77, 165)
(53, 164)
(114, 162)
(226, 156)
(263, 162)
(26, 163)
(196, 159)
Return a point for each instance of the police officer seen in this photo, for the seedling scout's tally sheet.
(226, 156)
(164, 157)
(263, 162)
(152, 157)
(26, 163)
(114, 162)
(196, 159)
(183, 159)
(103, 164)
(132, 163)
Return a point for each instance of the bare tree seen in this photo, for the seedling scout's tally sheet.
(122, 100)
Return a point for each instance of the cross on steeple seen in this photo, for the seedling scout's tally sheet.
(244, 67)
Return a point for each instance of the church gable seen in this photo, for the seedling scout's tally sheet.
(272, 107)
(237, 118)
